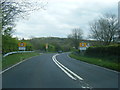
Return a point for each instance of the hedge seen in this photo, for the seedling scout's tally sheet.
(10, 44)
(104, 50)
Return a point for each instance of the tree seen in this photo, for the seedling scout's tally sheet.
(13, 9)
(75, 37)
(105, 29)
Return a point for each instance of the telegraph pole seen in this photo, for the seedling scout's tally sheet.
(119, 12)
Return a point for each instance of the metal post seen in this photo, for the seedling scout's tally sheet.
(119, 12)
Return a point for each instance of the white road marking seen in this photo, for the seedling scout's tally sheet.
(65, 69)
(11, 67)
(70, 71)
(85, 87)
(96, 66)
(15, 65)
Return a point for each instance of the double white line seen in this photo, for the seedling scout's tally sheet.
(65, 69)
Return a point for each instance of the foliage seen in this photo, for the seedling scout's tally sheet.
(54, 44)
(14, 9)
(11, 44)
(57, 46)
(51, 48)
(105, 56)
(104, 50)
(111, 52)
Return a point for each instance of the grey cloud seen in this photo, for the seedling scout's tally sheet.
(62, 16)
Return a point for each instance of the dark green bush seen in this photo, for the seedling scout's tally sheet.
(109, 52)
(104, 50)
(10, 44)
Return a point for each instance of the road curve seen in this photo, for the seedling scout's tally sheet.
(58, 71)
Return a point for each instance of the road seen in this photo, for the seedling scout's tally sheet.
(58, 71)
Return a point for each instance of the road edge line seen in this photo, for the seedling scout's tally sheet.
(15, 65)
(96, 65)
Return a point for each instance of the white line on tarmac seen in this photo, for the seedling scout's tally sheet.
(65, 69)
(70, 71)
(15, 65)
(97, 66)
(11, 67)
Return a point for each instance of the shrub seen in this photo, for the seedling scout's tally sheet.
(104, 50)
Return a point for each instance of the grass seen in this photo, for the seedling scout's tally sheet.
(97, 61)
(15, 58)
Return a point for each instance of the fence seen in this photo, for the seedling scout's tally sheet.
(16, 52)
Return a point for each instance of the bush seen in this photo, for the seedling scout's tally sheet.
(10, 44)
(111, 52)
(104, 50)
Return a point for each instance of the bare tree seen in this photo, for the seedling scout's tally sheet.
(14, 9)
(105, 28)
(75, 37)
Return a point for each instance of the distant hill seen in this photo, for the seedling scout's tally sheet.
(62, 43)
(56, 43)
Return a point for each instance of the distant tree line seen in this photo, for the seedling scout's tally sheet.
(54, 44)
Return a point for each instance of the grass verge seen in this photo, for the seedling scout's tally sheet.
(97, 61)
(15, 58)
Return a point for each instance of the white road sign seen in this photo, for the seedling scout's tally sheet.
(22, 48)
(82, 48)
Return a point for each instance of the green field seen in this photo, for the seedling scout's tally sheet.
(97, 61)
(15, 58)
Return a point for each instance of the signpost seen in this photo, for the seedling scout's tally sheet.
(82, 47)
(22, 46)
(46, 46)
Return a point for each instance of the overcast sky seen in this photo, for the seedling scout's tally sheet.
(61, 16)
